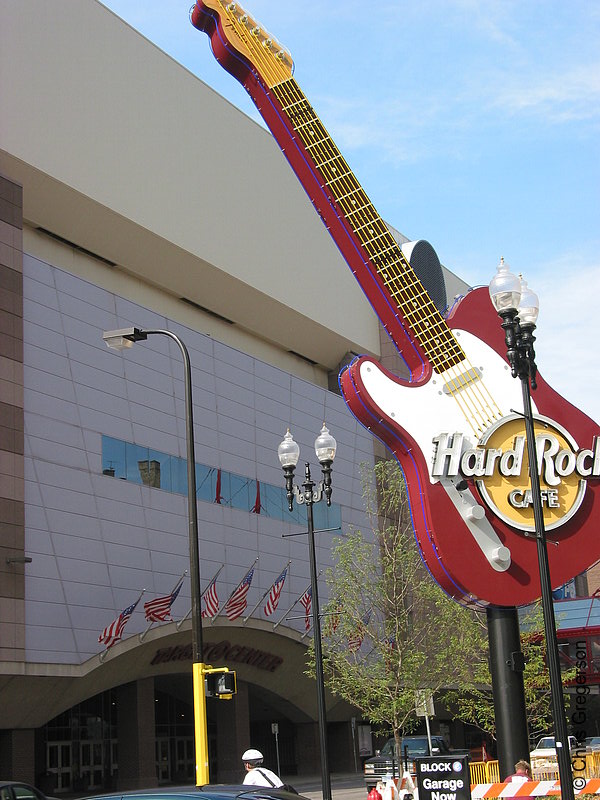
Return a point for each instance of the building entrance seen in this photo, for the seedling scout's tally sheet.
(82, 750)
(59, 765)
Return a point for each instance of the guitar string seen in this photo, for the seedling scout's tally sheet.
(263, 56)
(418, 323)
(471, 395)
(456, 381)
(482, 410)
(323, 151)
(476, 404)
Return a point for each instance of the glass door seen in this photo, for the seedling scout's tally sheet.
(60, 765)
(163, 761)
(185, 759)
(91, 760)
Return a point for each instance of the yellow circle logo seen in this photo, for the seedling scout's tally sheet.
(500, 465)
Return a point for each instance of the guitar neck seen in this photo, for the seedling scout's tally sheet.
(383, 252)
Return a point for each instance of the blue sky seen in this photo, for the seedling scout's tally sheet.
(473, 124)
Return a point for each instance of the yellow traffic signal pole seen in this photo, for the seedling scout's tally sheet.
(225, 692)
(200, 727)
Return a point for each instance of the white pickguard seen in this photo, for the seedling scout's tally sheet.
(427, 410)
(431, 410)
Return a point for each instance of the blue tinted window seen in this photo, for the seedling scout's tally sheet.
(136, 462)
(272, 501)
(205, 483)
(158, 470)
(113, 457)
(240, 496)
(179, 475)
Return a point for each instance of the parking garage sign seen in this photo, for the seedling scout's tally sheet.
(443, 778)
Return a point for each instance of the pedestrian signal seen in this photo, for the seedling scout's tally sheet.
(221, 685)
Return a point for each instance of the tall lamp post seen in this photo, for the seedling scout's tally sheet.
(518, 307)
(289, 453)
(120, 340)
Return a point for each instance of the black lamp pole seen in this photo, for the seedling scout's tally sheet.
(119, 340)
(308, 496)
(518, 315)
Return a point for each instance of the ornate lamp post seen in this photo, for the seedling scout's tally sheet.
(518, 307)
(119, 340)
(289, 453)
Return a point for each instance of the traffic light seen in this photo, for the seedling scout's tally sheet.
(221, 685)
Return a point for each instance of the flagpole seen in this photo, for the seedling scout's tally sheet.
(204, 591)
(246, 618)
(248, 571)
(212, 580)
(143, 633)
(294, 604)
(305, 634)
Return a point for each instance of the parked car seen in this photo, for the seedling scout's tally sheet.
(387, 764)
(208, 792)
(15, 790)
(592, 743)
(543, 756)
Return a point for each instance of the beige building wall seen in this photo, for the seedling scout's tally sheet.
(124, 153)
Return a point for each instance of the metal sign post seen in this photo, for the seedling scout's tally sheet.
(275, 732)
(424, 708)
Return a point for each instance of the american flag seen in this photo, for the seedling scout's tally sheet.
(238, 601)
(211, 601)
(257, 504)
(159, 609)
(334, 619)
(274, 594)
(356, 639)
(306, 601)
(113, 632)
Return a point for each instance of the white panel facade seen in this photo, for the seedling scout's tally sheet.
(97, 541)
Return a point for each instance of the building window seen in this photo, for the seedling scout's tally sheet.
(148, 467)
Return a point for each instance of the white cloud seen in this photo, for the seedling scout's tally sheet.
(563, 96)
(567, 350)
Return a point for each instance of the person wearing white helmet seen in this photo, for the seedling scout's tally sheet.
(256, 774)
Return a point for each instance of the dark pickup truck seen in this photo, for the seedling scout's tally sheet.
(388, 765)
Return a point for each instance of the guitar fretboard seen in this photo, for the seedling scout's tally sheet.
(383, 251)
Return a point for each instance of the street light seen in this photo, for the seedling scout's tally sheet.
(518, 307)
(289, 453)
(119, 340)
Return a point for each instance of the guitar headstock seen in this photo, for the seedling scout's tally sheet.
(244, 35)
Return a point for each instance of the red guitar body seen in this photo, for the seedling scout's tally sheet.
(448, 550)
(455, 545)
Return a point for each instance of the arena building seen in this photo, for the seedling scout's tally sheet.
(128, 197)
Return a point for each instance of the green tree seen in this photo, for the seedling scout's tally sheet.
(477, 706)
(389, 630)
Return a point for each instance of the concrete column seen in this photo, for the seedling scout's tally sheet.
(307, 749)
(233, 735)
(341, 748)
(136, 734)
(12, 483)
(17, 756)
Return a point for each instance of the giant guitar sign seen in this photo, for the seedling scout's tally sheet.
(452, 425)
